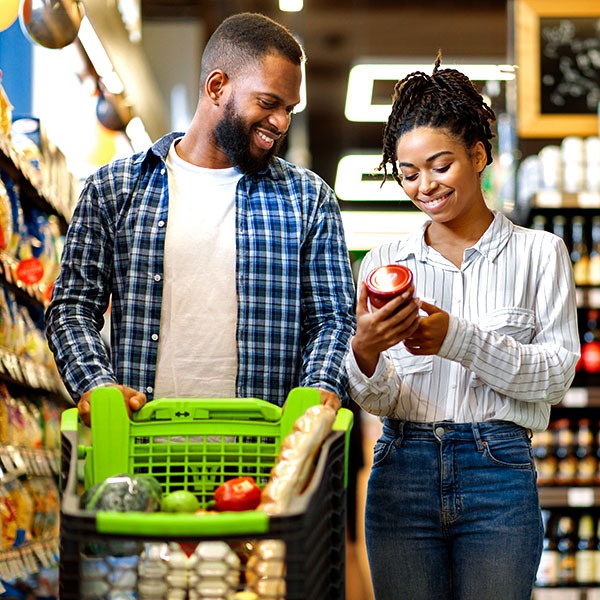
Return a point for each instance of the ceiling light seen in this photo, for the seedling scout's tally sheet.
(99, 58)
(357, 179)
(366, 229)
(362, 78)
(137, 134)
(291, 5)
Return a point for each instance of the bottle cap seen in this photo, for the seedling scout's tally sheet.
(386, 282)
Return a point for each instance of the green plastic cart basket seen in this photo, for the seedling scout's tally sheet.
(197, 444)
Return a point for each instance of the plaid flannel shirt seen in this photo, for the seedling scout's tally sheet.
(294, 282)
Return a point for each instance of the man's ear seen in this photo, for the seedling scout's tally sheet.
(214, 85)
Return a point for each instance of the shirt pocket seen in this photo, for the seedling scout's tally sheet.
(516, 322)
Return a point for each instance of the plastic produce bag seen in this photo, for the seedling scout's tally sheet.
(122, 493)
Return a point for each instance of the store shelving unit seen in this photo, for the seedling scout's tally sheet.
(582, 400)
(27, 384)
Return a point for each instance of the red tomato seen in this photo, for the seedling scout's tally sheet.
(240, 493)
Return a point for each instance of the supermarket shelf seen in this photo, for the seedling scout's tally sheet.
(553, 199)
(569, 496)
(9, 164)
(566, 593)
(580, 397)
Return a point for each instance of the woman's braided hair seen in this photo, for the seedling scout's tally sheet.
(446, 99)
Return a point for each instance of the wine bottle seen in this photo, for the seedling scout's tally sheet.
(559, 226)
(594, 270)
(585, 559)
(565, 452)
(544, 455)
(539, 223)
(585, 451)
(579, 251)
(548, 573)
(590, 346)
(567, 548)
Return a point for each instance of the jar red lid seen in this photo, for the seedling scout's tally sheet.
(386, 282)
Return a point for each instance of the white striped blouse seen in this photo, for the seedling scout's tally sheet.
(512, 342)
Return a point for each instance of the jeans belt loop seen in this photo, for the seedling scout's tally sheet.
(400, 437)
(477, 436)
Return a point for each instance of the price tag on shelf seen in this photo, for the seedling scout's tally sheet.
(588, 199)
(549, 199)
(580, 496)
(42, 555)
(576, 397)
(593, 298)
(557, 594)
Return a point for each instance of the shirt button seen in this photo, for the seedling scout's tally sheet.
(157, 278)
(155, 336)
(149, 389)
(161, 223)
(439, 431)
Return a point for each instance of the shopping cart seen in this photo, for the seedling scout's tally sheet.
(197, 444)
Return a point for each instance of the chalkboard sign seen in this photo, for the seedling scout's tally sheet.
(569, 65)
(557, 52)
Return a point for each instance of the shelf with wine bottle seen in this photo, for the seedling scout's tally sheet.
(570, 562)
(580, 230)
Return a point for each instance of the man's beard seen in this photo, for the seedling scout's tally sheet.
(233, 137)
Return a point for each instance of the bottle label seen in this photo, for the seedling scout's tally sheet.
(597, 567)
(585, 568)
(549, 569)
(567, 568)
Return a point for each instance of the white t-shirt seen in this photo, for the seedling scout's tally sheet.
(197, 354)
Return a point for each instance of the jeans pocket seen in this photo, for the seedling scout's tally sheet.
(381, 452)
(512, 452)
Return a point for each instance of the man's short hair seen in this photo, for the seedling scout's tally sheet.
(245, 38)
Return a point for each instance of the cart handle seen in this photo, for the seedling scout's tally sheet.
(189, 409)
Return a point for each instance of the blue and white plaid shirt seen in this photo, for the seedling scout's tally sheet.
(294, 282)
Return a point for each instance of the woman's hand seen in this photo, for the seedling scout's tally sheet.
(431, 332)
(134, 400)
(383, 328)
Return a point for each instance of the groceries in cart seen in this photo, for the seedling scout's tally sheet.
(186, 518)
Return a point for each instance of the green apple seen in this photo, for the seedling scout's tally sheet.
(179, 501)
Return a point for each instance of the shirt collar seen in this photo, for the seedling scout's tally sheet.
(161, 147)
(489, 245)
(495, 238)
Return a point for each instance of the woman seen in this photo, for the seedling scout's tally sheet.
(462, 379)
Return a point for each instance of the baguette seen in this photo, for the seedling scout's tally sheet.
(297, 455)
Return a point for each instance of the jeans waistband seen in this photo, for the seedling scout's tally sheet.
(452, 430)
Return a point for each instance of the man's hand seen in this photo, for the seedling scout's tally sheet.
(134, 400)
(330, 399)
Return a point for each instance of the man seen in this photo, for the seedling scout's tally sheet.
(225, 266)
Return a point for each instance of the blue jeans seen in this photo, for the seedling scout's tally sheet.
(453, 512)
